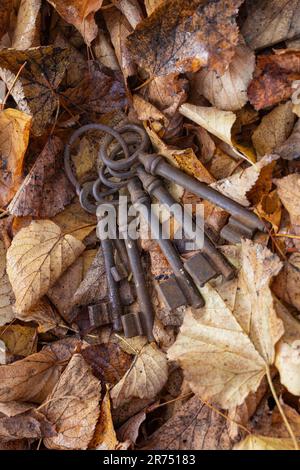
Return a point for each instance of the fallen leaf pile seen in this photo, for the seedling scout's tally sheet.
(216, 86)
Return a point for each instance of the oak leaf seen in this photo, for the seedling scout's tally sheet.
(46, 190)
(288, 189)
(226, 348)
(79, 14)
(33, 378)
(145, 378)
(73, 407)
(274, 129)
(28, 23)
(14, 137)
(7, 298)
(271, 22)
(193, 427)
(182, 36)
(229, 91)
(37, 257)
(41, 70)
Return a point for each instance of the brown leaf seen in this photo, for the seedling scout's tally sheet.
(7, 297)
(129, 431)
(286, 284)
(28, 22)
(19, 340)
(274, 129)
(73, 407)
(46, 190)
(43, 314)
(131, 10)
(104, 51)
(288, 189)
(229, 91)
(5, 10)
(151, 5)
(105, 436)
(62, 293)
(290, 149)
(76, 221)
(271, 22)
(226, 347)
(273, 78)
(38, 255)
(101, 91)
(33, 378)
(108, 361)
(14, 136)
(181, 36)
(194, 427)
(79, 14)
(35, 88)
(144, 379)
(18, 421)
(255, 442)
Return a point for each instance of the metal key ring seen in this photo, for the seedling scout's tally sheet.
(108, 182)
(126, 162)
(101, 195)
(100, 127)
(84, 194)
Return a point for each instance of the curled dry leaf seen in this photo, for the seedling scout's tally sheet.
(21, 420)
(273, 78)
(286, 284)
(129, 431)
(253, 442)
(79, 14)
(131, 9)
(151, 5)
(226, 347)
(26, 32)
(271, 22)
(288, 351)
(19, 340)
(229, 91)
(46, 190)
(7, 297)
(73, 407)
(14, 136)
(104, 437)
(288, 189)
(105, 52)
(290, 149)
(145, 378)
(194, 427)
(37, 257)
(5, 11)
(43, 314)
(182, 36)
(238, 185)
(33, 378)
(274, 129)
(40, 70)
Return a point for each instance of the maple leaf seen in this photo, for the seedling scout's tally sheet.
(46, 190)
(226, 349)
(183, 36)
(40, 71)
(79, 14)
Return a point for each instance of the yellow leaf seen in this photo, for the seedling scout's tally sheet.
(76, 221)
(14, 136)
(73, 406)
(19, 340)
(37, 257)
(226, 347)
(253, 442)
(145, 378)
(105, 436)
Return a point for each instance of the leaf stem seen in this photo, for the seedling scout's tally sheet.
(277, 401)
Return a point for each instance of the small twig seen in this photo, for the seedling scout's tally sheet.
(12, 86)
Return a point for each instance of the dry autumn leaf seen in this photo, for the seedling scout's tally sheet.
(79, 14)
(226, 348)
(43, 314)
(46, 189)
(33, 378)
(254, 442)
(286, 284)
(145, 378)
(26, 33)
(104, 436)
(38, 255)
(33, 76)
(14, 137)
(19, 340)
(7, 298)
(76, 221)
(288, 189)
(182, 36)
(73, 407)
(290, 149)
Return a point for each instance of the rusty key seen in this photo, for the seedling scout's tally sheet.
(142, 202)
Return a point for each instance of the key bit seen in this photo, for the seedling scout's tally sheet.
(170, 293)
(142, 202)
(156, 165)
(218, 262)
(132, 325)
(99, 314)
(234, 231)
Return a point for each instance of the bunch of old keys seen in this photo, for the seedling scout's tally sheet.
(125, 162)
